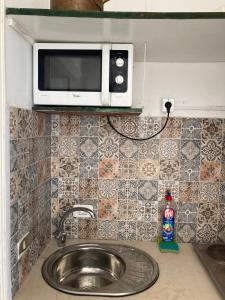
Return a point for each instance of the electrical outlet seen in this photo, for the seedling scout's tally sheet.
(23, 244)
(82, 214)
(172, 101)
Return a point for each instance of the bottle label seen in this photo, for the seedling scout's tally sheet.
(168, 225)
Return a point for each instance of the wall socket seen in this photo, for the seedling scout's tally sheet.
(82, 214)
(172, 101)
(23, 244)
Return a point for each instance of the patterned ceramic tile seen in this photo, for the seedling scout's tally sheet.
(24, 123)
(148, 149)
(13, 250)
(128, 149)
(147, 211)
(191, 129)
(15, 279)
(172, 186)
(221, 234)
(14, 218)
(129, 126)
(222, 192)
(169, 149)
(109, 147)
(107, 209)
(173, 128)
(128, 169)
(88, 188)
(108, 168)
(127, 189)
(222, 214)
(87, 229)
(88, 168)
(68, 187)
(88, 148)
(14, 187)
(146, 231)
(127, 230)
(148, 169)
(169, 169)
(223, 149)
(189, 191)
(190, 150)
(54, 146)
(89, 125)
(187, 212)
(212, 129)
(206, 233)
(210, 171)
(209, 192)
(186, 232)
(68, 167)
(127, 210)
(69, 125)
(107, 230)
(148, 190)
(107, 189)
(208, 213)
(148, 126)
(223, 172)
(211, 150)
(13, 126)
(68, 146)
(54, 187)
(105, 129)
(55, 119)
(66, 203)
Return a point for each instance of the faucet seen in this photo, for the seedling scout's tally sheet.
(59, 234)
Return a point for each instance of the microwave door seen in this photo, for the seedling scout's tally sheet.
(105, 95)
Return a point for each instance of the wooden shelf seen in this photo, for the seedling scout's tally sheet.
(88, 110)
(167, 37)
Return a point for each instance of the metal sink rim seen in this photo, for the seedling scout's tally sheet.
(110, 290)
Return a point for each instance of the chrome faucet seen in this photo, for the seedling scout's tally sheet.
(59, 234)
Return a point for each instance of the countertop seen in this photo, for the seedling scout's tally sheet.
(182, 277)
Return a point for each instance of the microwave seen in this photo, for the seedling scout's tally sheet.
(83, 74)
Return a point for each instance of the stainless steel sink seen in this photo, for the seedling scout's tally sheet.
(100, 269)
(213, 259)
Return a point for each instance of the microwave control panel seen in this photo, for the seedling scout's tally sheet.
(118, 71)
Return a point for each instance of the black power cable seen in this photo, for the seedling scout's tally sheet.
(168, 107)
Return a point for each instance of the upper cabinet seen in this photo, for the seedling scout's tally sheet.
(157, 37)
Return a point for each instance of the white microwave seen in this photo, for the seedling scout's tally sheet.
(83, 74)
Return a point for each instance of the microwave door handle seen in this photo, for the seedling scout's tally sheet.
(105, 97)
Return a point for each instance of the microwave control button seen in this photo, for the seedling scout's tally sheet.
(119, 79)
(120, 62)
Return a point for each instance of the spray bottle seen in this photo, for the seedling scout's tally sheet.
(168, 220)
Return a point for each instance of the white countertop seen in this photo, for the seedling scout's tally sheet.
(182, 277)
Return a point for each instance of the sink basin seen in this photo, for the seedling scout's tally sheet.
(217, 252)
(213, 259)
(100, 269)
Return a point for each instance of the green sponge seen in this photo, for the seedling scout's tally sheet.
(168, 246)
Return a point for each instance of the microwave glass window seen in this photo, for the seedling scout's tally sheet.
(69, 70)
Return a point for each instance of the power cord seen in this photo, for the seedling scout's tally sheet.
(168, 107)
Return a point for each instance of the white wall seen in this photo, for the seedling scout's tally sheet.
(28, 3)
(18, 70)
(197, 88)
(165, 5)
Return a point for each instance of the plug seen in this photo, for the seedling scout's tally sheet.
(167, 105)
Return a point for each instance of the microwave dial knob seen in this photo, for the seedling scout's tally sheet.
(119, 62)
(119, 79)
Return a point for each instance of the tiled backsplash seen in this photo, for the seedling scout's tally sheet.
(126, 180)
(30, 188)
